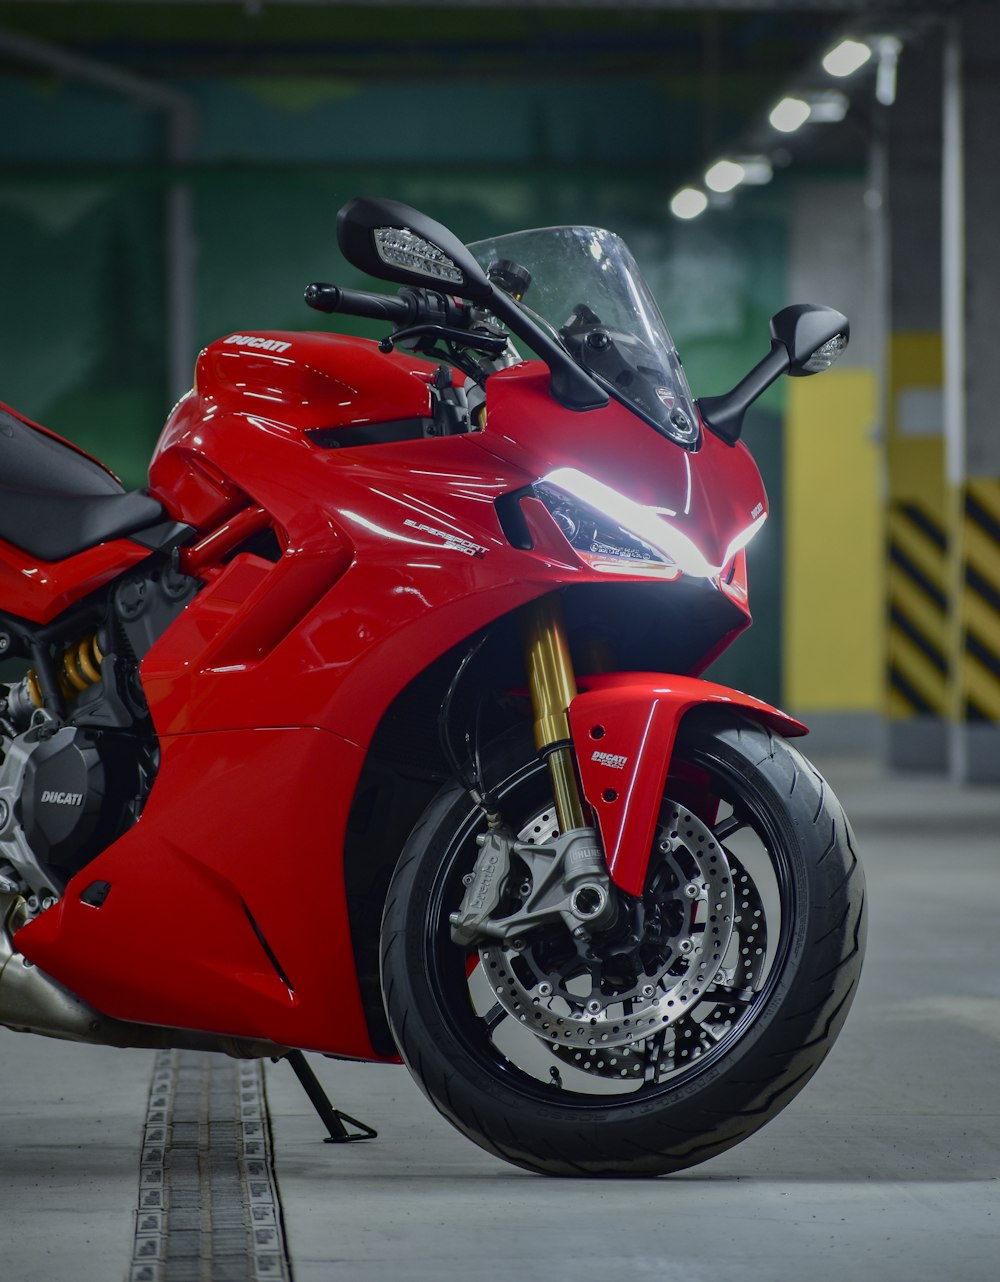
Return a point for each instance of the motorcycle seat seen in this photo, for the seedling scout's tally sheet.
(56, 502)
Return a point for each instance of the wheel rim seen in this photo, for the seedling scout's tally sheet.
(704, 998)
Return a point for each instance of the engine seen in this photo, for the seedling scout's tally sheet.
(73, 780)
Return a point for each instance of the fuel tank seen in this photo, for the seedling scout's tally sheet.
(283, 382)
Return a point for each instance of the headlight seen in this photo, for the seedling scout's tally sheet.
(600, 541)
(613, 533)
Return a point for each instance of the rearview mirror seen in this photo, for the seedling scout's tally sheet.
(387, 239)
(390, 240)
(805, 339)
(813, 336)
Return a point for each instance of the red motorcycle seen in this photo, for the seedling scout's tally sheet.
(374, 726)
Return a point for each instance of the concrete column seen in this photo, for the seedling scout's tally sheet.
(971, 282)
(833, 589)
(917, 579)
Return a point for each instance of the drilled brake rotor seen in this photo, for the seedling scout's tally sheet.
(565, 996)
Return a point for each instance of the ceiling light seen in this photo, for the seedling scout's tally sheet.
(724, 175)
(790, 114)
(757, 170)
(888, 50)
(848, 57)
(828, 108)
(689, 203)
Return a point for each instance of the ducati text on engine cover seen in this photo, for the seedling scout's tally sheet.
(62, 798)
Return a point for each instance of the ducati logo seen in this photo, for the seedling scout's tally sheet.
(666, 396)
(62, 798)
(611, 759)
(266, 344)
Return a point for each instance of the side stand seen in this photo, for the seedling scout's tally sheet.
(332, 1118)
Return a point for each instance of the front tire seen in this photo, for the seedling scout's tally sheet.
(742, 1047)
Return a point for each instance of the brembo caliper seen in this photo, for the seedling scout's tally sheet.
(568, 881)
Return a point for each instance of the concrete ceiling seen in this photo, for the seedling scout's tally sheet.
(724, 60)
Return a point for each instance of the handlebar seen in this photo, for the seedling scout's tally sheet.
(354, 302)
(419, 317)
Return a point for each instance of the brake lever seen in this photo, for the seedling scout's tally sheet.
(488, 344)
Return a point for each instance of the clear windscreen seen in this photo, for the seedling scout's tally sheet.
(587, 288)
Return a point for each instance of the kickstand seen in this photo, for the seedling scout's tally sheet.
(332, 1118)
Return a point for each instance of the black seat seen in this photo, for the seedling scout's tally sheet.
(55, 502)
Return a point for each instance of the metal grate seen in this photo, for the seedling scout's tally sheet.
(208, 1208)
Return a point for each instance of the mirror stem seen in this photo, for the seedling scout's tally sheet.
(724, 414)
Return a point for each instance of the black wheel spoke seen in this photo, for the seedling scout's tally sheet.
(690, 1039)
(494, 1017)
(654, 1049)
(730, 1007)
(725, 829)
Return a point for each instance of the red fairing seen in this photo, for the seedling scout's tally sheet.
(714, 492)
(41, 590)
(378, 578)
(227, 841)
(300, 381)
(624, 725)
(266, 691)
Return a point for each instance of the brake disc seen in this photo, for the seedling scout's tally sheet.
(571, 1005)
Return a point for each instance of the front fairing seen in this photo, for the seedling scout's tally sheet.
(713, 497)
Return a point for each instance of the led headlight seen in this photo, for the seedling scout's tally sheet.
(600, 541)
(613, 533)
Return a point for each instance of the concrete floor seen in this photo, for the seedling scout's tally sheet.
(888, 1165)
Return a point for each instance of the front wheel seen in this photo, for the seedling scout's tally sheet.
(670, 1037)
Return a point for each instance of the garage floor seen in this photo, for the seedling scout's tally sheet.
(888, 1165)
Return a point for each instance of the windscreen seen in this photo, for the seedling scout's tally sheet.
(585, 286)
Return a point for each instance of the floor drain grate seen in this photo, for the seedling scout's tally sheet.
(208, 1202)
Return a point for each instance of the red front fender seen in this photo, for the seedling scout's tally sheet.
(624, 725)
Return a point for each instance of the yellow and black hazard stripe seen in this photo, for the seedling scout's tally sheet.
(980, 606)
(918, 597)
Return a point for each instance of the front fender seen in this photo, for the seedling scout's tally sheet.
(624, 725)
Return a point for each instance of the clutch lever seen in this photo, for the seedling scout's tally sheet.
(488, 344)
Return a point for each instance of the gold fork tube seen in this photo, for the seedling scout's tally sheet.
(553, 688)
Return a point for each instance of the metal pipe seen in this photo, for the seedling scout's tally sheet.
(75, 66)
(181, 130)
(953, 256)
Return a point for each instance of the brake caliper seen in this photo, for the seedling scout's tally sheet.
(569, 882)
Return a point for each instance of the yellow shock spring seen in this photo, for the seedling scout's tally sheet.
(34, 687)
(81, 668)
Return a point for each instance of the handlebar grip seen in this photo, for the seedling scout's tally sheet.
(353, 302)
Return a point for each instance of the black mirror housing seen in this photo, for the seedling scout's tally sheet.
(804, 330)
(360, 219)
(805, 339)
(365, 228)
